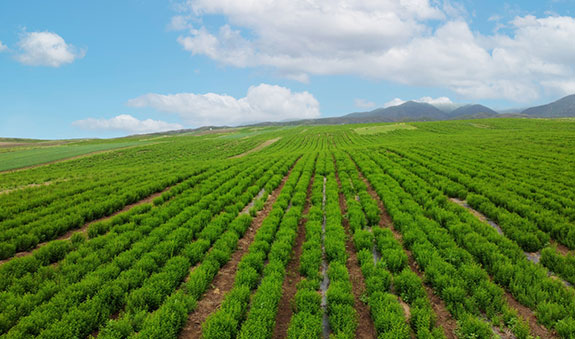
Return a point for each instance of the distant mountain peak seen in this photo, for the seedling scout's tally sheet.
(564, 107)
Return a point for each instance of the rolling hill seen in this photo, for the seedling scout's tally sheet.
(561, 108)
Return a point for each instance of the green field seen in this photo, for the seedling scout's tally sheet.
(454, 229)
(18, 158)
(383, 129)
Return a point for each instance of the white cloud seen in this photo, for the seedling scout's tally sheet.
(443, 102)
(262, 103)
(179, 23)
(364, 104)
(46, 49)
(126, 123)
(394, 102)
(420, 43)
(3, 47)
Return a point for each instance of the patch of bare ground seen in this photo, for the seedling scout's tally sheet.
(47, 183)
(293, 275)
(257, 148)
(477, 214)
(246, 209)
(365, 326)
(444, 318)
(84, 228)
(564, 250)
(224, 280)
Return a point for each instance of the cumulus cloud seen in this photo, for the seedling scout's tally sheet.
(420, 43)
(262, 103)
(394, 102)
(126, 123)
(46, 49)
(3, 47)
(364, 104)
(441, 102)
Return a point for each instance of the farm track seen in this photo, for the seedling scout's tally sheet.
(224, 280)
(257, 148)
(444, 318)
(365, 326)
(293, 276)
(84, 229)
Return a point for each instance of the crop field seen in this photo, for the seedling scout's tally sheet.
(413, 230)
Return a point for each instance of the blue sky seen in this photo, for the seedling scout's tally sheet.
(71, 69)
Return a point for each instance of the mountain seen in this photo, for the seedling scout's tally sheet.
(472, 112)
(417, 111)
(409, 111)
(564, 107)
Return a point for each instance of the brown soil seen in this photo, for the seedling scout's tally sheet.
(527, 314)
(246, 209)
(365, 326)
(224, 280)
(444, 318)
(84, 228)
(257, 148)
(564, 250)
(293, 276)
(406, 309)
(463, 204)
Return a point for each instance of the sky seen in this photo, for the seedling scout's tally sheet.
(76, 69)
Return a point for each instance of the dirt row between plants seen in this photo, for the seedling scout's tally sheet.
(257, 148)
(444, 318)
(293, 275)
(84, 229)
(224, 280)
(365, 326)
(564, 250)
(523, 310)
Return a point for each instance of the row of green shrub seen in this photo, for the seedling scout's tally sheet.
(226, 321)
(148, 296)
(460, 282)
(529, 283)
(53, 299)
(386, 310)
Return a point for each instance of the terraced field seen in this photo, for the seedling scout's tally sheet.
(426, 230)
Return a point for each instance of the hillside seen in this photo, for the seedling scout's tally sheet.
(564, 107)
(473, 112)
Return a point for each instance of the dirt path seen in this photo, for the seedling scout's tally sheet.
(84, 229)
(444, 318)
(293, 275)
(257, 148)
(260, 194)
(477, 214)
(365, 326)
(525, 312)
(224, 280)
(324, 285)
